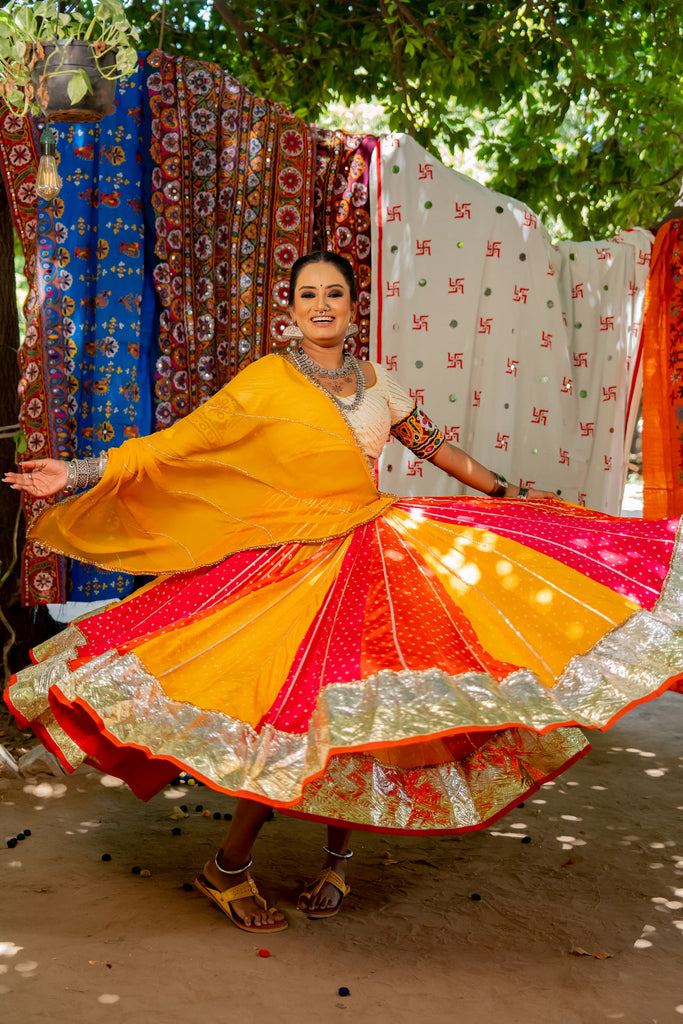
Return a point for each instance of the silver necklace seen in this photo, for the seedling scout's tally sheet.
(310, 369)
(309, 366)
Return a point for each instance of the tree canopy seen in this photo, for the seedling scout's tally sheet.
(573, 107)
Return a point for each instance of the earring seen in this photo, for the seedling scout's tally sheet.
(351, 330)
(292, 331)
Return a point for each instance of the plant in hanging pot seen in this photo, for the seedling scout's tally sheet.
(63, 60)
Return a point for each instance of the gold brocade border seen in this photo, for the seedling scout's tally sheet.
(64, 642)
(364, 793)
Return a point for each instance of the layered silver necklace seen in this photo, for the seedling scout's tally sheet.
(308, 366)
(313, 371)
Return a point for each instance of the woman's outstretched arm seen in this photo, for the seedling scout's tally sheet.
(463, 467)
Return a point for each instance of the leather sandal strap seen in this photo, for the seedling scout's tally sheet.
(326, 875)
(334, 879)
(241, 891)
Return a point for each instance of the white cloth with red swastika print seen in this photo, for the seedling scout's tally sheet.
(527, 353)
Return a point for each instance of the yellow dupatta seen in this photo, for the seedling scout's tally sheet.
(267, 460)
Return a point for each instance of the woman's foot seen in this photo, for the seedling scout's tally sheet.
(323, 896)
(249, 909)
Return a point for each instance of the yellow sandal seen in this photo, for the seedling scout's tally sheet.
(224, 899)
(314, 887)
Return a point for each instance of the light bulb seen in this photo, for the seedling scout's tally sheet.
(48, 182)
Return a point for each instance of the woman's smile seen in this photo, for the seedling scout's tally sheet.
(322, 307)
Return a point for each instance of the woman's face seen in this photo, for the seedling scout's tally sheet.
(322, 306)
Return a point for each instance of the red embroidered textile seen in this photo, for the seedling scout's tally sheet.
(342, 213)
(42, 387)
(232, 194)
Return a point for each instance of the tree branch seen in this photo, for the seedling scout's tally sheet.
(545, 12)
(424, 29)
(243, 33)
(396, 48)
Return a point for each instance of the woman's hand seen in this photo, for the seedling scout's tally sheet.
(38, 477)
(512, 491)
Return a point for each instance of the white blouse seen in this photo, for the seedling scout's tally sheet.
(384, 404)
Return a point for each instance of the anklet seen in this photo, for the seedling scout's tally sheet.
(340, 856)
(235, 871)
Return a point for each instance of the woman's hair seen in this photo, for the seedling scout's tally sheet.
(322, 256)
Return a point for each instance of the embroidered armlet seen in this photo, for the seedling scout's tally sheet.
(418, 433)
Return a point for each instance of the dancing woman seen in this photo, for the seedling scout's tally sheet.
(314, 645)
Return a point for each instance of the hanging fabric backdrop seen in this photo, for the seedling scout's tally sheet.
(663, 377)
(162, 269)
(163, 265)
(526, 353)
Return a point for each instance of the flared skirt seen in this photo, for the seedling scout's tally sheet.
(425, 672)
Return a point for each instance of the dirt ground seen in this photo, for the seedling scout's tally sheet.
(582, 924)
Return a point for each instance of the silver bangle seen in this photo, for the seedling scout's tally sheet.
(499, 487)
(234, 871)
(70, 475)
(82, 473)
(338, 856)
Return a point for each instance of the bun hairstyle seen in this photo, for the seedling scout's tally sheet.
(322, 256)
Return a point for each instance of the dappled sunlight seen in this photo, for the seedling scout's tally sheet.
(645, 939)
(412, 518)
(454, 560)
(86, 826)
(46, 790)
(9, 949)
(25, 968)
(662, 903)
(569, 842)
(520, 826)
(19, 969)
(111, 782)
(174, 793)
(509, 578)
(646, 843)
(469, 574)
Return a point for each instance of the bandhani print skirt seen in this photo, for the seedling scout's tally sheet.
(423, 673)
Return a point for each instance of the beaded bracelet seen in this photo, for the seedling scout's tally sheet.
(82, 473)
(499, 487)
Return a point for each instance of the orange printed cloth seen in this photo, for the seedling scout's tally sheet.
(663, 377)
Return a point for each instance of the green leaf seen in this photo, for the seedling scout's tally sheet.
(79, 85)
(20, 445)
